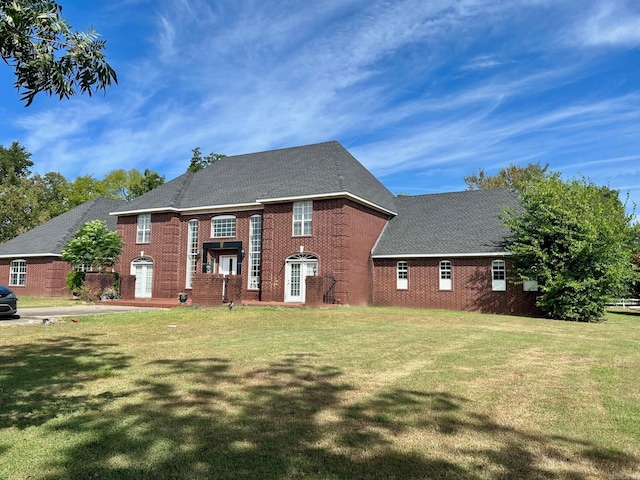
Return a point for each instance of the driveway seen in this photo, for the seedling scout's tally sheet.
(37, 315)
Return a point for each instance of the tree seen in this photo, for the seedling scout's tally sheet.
(19, 210)
(513, 177)
(83, 189)
(130, 184)
(574, 239)
(52, 190)
(198, 162)
(47, 55)
(93, 245)
(14, 163)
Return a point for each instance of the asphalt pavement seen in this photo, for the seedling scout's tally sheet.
(37, 315)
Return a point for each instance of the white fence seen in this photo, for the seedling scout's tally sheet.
(625, 303)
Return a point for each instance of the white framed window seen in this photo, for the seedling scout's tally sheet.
(445, 275)
(402, 275)
(18, 273)
(530, 286)
(499, 276)
(144, 228)
(302, 214)
(255, 251)
(192, 251)
(223, 226)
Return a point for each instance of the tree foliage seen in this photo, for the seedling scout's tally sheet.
(47, 55)
(15, 164)
(27, 201)
(574, 239)
(130, 184)
(513, 176)
(198, 162)
(93, 245)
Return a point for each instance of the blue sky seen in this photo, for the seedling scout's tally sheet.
(423, 93)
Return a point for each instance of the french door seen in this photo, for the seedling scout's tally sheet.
(298, 268)
(142, 268)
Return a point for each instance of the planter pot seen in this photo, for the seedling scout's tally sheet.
(183, 298)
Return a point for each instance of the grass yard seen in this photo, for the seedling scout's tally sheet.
(30, 302)
(343, 393)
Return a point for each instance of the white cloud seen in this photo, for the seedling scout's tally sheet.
(613, 23)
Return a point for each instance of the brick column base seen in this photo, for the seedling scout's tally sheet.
(313, 296)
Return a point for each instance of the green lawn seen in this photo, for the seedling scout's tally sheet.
(30, 302)
(362, 393)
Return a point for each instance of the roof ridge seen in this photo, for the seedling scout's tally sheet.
(184, 188)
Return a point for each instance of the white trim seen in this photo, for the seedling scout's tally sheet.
(259, 204)
(442, 255)
(31, 255)
(191, 210)
(220, 209)
(323, 196)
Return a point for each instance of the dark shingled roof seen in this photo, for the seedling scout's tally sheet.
(52, 236)
(447, 224)
(312, 170)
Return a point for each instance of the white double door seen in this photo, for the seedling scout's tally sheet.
(143, 271)
(228, 264)
(295, 274)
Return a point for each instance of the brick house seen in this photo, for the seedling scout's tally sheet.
(310, 225)
(31, 263)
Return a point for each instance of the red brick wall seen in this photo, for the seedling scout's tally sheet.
(471, 287)
(168, 249)
(46, 277)
(343, 235)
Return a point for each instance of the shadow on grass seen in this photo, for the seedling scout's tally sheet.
(296, 418)
(40, 380)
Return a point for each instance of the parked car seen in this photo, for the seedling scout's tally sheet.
(8, 302)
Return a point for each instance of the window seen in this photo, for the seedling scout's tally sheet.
(499, 273)
(255, 250)
(402, 272)
(223, 226)
(302, 218)
(530, 286)
(18, 273)
(192, 251)
(445, 275)
(144, 228)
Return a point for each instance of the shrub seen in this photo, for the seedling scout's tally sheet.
(75, 280)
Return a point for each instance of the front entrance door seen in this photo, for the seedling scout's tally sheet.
(142, 268)
(228, 264)
(298, 268)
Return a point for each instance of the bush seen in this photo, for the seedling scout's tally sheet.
(87, 294)
(75, 280)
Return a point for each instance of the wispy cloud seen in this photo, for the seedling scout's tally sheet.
(417, 90)
(611, 23)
